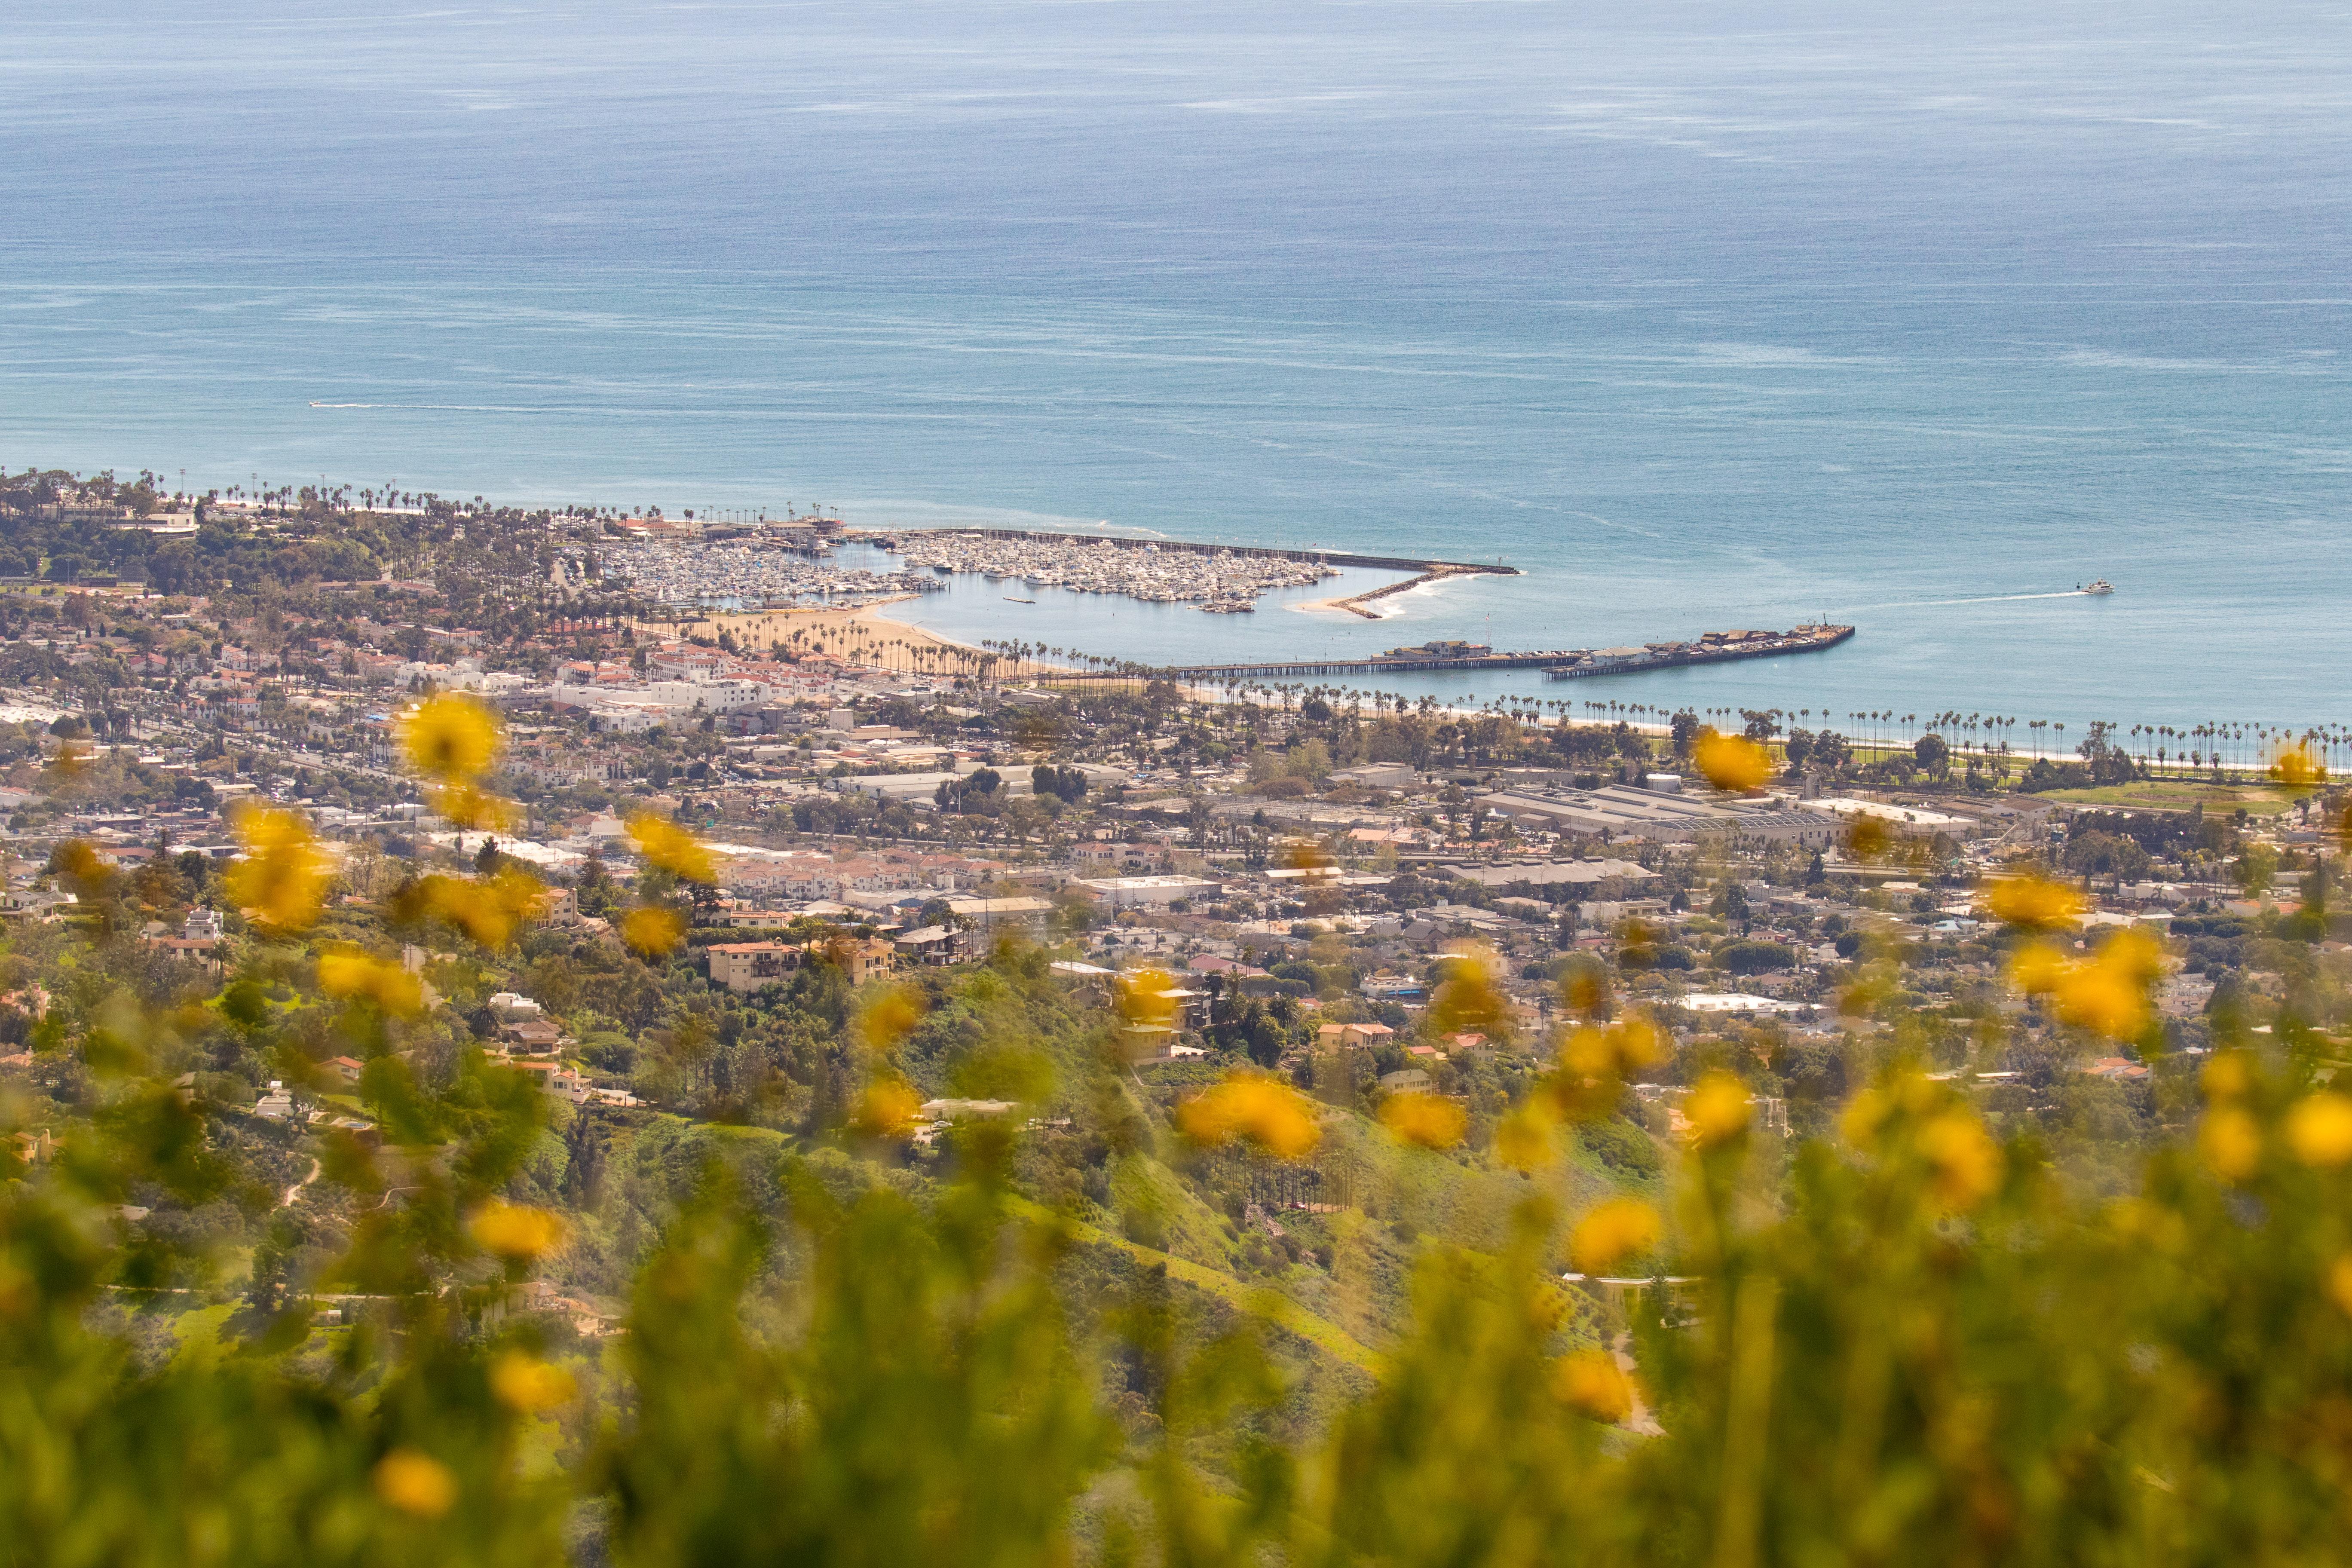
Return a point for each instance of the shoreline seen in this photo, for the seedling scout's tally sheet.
(1354, 603)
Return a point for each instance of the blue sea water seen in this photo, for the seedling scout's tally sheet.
(1703, 315)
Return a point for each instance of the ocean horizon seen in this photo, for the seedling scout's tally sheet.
(1735, 317)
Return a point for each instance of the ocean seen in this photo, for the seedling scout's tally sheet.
(1704, 317)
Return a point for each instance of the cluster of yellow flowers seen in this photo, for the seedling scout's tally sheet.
(284, 875)
(1732, 763)
(1467, 1000)
(1256, 1109)
(654, 929)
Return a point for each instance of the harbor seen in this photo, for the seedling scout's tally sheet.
(1218, 579)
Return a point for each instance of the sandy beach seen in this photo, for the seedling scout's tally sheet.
(862, 634)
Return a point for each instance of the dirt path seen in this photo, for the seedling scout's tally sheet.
(295, 1191)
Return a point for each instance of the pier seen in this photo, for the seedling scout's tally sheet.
(1562, 663)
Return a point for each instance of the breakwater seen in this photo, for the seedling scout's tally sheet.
(1562, 663)
(890, 541)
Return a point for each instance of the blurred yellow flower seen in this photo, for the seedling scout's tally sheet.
(1867, 838)
(2104, 999)
(2036, 968)
(1717, 1109)
(1426, 1119)
(2319, 1128)
(486, 911)
(1612, 1231)
(2296, 768)
(415, 1483)
(79, 867)
(468, 807)
(886, 1109)
(1254, 1108)
(889, 1017)
(665, 843)
(450, 737)
(653, 930)
(1966, 1161)
(1731, 762)
(2230, 1143)
(1145, 996)
(1620, 1050)
(1523, 1138)
(2226, 1075)
(1306, 856)
(2033, 901)
(1591, 1384)
(517, 1230)
(1586, 1053)
(1467, 1000)
(2108, 993)
(349, 973)
(1585, 988)
(524, 1383)
(282, 878)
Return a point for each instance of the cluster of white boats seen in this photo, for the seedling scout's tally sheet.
(726, 574)
(1218, 580)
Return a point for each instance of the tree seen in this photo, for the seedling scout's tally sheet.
(1933, 754)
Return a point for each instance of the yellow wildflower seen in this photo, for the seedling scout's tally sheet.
(2297, 768)
(450, 737)
(415, 1483)
(468, 807)
(1523, 1139)
(2037, 968)
(524, 1383)
(1585, 988)
(1732, 763)
(282, 878)
(2319, 1128)
(517, 1230)
(2230, 1143)
(349, 973)
(652, 929)
(85, 875)
(1867, 838)
(1468, 1002)
(2227, 1076)
(1717, 1109)
(2033, 902)
(1619, 1051)
(889, 1017)
(887, 1109)
(665, 843)
(1614, 1230)
(1586, 1053)
(488, 911)
(1256, 1108)
(1966, 1160)
(1426, 1119)
(1591, 1384)
(1144, 997)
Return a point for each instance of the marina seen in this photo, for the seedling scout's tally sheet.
(1219, 579)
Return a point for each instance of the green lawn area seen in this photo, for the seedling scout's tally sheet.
(1278, 1309)
(2179, 794)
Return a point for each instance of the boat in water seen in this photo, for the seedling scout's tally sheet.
(2101, 587)
(1010, 600)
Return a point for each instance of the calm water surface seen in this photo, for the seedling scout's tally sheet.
(1713, 316)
